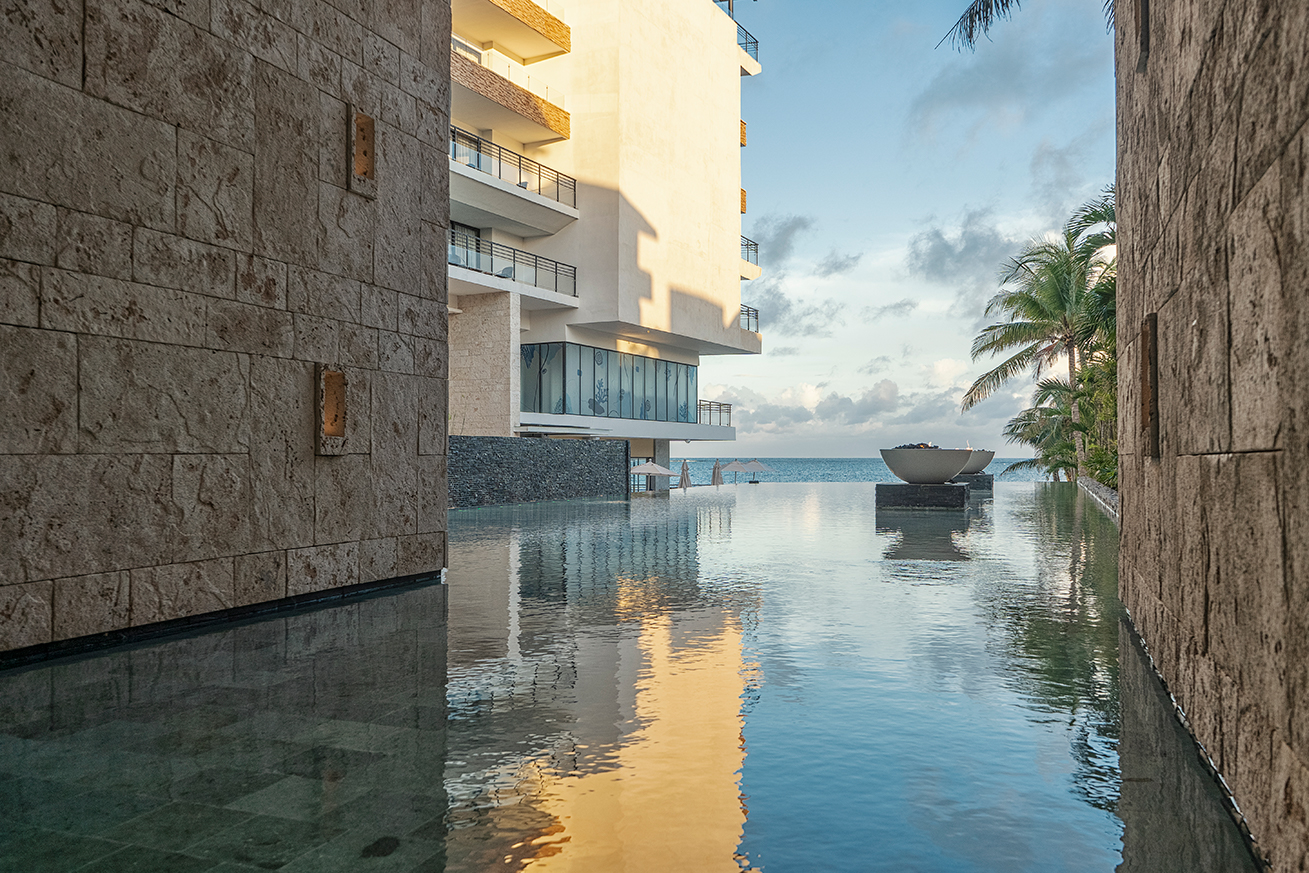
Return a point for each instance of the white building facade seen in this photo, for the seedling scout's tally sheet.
(595, 250)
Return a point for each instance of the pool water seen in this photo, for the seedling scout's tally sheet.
(774, 677)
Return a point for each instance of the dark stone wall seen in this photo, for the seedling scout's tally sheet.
(486, 471)
(1213, 202)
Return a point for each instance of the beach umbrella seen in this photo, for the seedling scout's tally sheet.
(734, 468)
(685, 481)
(756, 466)
(650, 468)
(717, 478)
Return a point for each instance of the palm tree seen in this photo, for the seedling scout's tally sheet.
(1043, 291)
(980, 15)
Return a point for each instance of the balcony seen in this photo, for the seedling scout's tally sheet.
(488, 91)
(508, 269)
(749, 319)
(519, 28)
(492, 186)
(748, 44)
(750, 259)
(713, 413)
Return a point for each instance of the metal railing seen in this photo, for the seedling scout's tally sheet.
(749, 319)
(749, 250)
(480, 154)
(743, 37)
(713, 412)
(507, 262)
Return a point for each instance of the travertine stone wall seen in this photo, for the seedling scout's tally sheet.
(484, 365)
(1213, 205)
(179, 250)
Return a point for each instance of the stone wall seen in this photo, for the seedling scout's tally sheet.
(184, 243)
(1213, 194)
(484, 366)
(486, 471)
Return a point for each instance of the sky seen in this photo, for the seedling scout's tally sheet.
(888, 182)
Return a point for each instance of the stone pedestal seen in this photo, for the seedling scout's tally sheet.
(892, 495)
(976, 481)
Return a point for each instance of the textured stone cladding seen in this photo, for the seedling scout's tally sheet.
(1213, 209)
(487, 471)
(180, 249)
(479, 79)
(539, 20)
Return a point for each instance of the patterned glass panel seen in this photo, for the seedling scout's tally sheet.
(600, 400)
(528, 382)
(625, 371)
(552, 377)
(572, 378)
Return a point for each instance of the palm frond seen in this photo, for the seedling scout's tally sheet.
(992, 379)
(977, 21)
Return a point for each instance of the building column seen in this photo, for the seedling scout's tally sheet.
(484, 368)
(662, 454)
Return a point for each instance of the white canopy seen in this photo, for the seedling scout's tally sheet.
(736, 467)
(650, 468)
(756, 466)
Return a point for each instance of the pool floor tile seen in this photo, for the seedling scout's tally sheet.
(31, 850)
(364, 850)
(265, 842)
(140, 859)
(219, 786)
(295, 797)
(176, 826)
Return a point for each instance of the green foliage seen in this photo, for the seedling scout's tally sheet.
(1059, 297)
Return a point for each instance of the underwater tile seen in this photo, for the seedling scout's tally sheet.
(219, 786)
(175, 826)
(366, 849)
(264, 842)
(140, 859)
(295, 797)
(32, 850)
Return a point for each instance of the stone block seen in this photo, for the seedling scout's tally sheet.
(179, 590)
(215, 191)
(1193, 370)
(25, 615)
(259, 578)
(176, 262)
(143, 397)
(334, 165)
(85, 605)
(399, 263)
(423, 317)
(343, 498)
(27, 230)
(433, 496)
(420, 553)
(285, 167)
(394, 454)
(55, 510)
(261, 281)
(432, 124)
(379, 307)
(192, 11)
(334, 29)
(358, 346)
(319, 66)
(282, 429)
(436, 270)
(241, 327)
(86, 243)
(255, 31)
(381, 58)
(976, 482)
(322, 568)
(433, 407)
(323, 294)
(1258, 343)
(347, 227)
(316, 339)
(212, 496)
(433, 46)
(20, 293)
(1274, 102)
(377, 559)
(395, 352)
(38, 370)
(398, 21)
(381, 99)
(111, 307)
(144, 59)
(45, 38)
(112, 162)
(931, 497)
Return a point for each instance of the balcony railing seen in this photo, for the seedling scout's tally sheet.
(749, 319)
(506, 262)
(712, 412)
(743, 37)
(749, 250)
(480, 154)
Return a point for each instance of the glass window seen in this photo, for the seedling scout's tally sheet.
(662, 386)
(528, 382)
(680, 379)
(639, 365)
(625, 372)
(572, 378)
(586, 381)
(651, 393)
(613, 385)
(552, 378)
(693, 391)
(601, 399)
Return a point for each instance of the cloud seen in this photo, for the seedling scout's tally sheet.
(777, 236)
(882, 398)
(836, 264)
(784, 315)
(967, 258)
(1059, 183)
(784, 351)
(895, 310)
(1034, 65)
(876, 365)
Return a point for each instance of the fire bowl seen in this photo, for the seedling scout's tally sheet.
(926, 466)
(977, 463)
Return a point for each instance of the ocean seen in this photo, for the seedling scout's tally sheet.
(832, 470)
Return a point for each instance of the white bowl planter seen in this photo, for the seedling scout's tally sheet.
(926, 466)
(977, 463)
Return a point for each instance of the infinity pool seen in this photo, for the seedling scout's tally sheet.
(772, 677)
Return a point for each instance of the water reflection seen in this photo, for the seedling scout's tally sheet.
(717, 680)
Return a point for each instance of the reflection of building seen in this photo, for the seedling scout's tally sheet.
(595, 251)
(1213, 328)
(595, 685)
